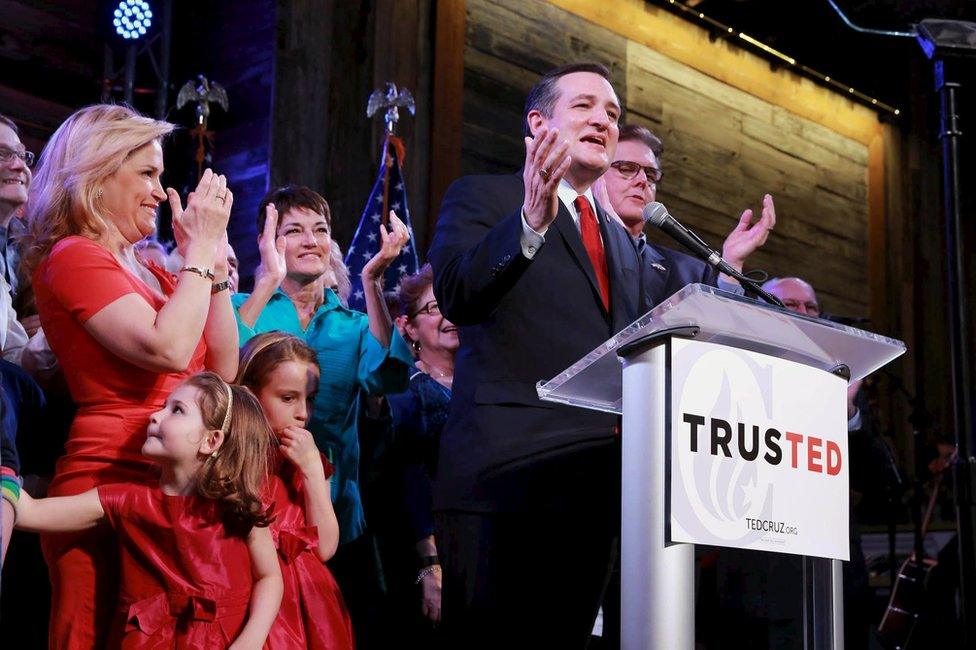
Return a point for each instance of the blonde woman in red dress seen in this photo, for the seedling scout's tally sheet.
(125, 335)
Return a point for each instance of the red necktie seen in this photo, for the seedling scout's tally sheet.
(594, 247)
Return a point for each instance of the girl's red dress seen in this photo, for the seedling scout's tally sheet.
(313, 613)
(115, 399)
(186, 582)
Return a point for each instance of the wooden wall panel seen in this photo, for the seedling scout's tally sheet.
(404, 55)
(241, 58)
(724, 147)
(447, 91)
(330, 56)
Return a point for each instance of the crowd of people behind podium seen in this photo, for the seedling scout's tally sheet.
(211, 468)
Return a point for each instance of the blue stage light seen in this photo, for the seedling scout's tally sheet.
(132, 19)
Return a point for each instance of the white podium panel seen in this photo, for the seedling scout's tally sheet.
(758, 452)
(758, 391)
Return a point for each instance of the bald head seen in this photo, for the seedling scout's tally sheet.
(796, 294)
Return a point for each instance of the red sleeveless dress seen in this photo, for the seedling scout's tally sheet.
(185, 582)
(115, 399)
(313, 614)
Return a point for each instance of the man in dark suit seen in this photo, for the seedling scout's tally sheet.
(631, 183)
(535, 275)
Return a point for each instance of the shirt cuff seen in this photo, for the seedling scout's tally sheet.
(244, 333)
(531, 240)
(731, 287)
(400, 349)
(854, 423)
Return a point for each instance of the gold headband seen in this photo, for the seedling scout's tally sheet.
(267, 343)
(230, 407)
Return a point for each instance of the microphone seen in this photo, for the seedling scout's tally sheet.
(658, 215)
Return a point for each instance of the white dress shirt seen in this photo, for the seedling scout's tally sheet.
(532, 240)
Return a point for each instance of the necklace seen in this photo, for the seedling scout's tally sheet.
(437, 373)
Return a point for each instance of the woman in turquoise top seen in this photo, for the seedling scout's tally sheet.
(357, 352)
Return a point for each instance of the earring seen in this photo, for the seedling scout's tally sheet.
(416, 346)
(98, 194)
(214, 454)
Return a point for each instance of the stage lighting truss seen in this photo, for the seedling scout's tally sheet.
(132, 19)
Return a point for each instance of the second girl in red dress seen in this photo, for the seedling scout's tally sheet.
(284, 374)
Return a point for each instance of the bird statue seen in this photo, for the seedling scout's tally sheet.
(391, 99)
(203, 92)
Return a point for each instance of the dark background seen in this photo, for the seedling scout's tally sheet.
(299, 72)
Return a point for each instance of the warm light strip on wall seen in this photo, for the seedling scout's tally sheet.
(766, 48)
(719, 29)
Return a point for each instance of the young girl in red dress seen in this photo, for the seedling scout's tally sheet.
(284, 374)
(198, 563)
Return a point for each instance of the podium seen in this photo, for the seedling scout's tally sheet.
(734, 434)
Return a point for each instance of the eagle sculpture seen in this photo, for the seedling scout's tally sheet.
(391, 99)
(202, 92)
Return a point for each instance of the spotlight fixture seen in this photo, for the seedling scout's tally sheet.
(132, 19)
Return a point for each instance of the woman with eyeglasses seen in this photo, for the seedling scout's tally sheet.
(125, 334)
(403, 488)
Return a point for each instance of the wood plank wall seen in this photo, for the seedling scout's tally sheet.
(724, 148)
(330, 57)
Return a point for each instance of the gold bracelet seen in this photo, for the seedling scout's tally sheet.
(219, 286)
(426, 571)
(204, 273)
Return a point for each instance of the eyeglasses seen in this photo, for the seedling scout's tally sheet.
(7, 155)
(808, 307)
(629, 169)
(431, 309)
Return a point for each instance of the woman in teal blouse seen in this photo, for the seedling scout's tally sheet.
(357, 352)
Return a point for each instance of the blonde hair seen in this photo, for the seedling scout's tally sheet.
(340, 273)
(91, 145)
(237, 473)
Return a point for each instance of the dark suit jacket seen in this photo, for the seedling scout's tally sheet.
(522, 321)
(664, 272)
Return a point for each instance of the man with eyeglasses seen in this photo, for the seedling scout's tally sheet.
(15, 177)
(798, 296)
(631, 183)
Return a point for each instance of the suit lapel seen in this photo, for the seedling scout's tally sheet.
(566, 227)
(654, 276)
(622, 265)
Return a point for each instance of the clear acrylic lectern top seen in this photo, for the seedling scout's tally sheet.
(595, 381)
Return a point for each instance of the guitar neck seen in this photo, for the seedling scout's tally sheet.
(931, 507)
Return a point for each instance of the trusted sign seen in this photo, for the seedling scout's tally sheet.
(758, 450)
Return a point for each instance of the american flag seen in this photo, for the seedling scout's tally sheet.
(388, 193)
